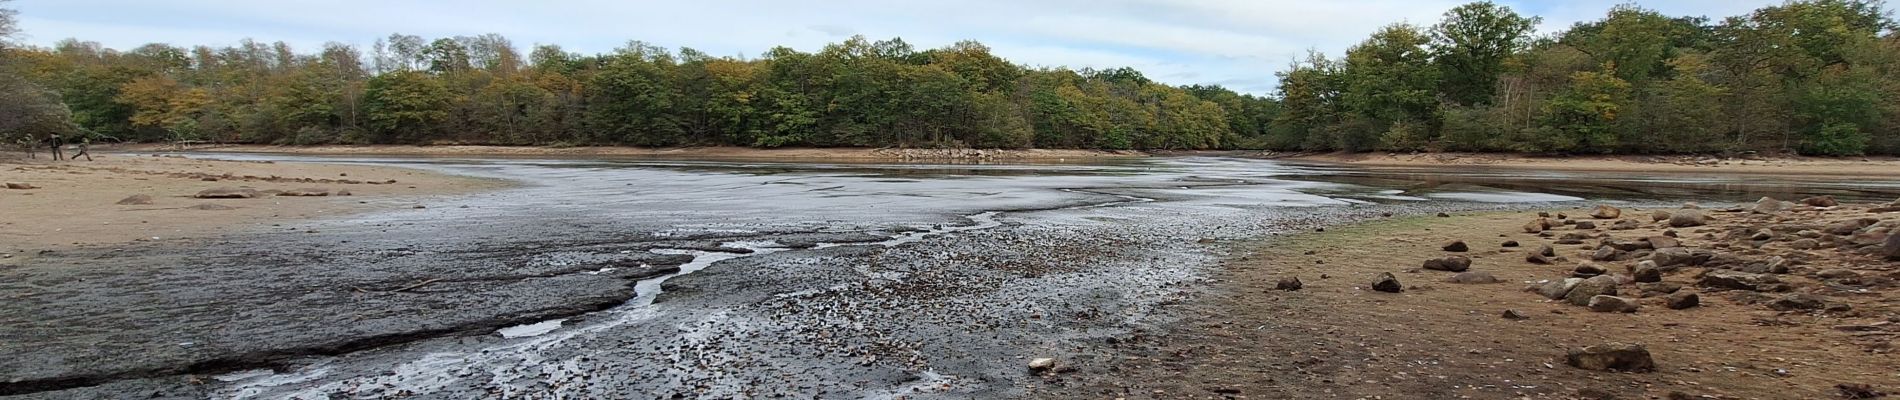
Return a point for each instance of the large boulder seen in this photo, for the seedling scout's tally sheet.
(1659, 215)
(1600, 285)
(1612, 304)
(1385, 282)
(227, 193)
(1612, 357)
(1768, 205)
(1606, 212)
(1688, 217)
(1450, 264)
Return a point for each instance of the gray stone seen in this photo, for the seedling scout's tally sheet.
(1612, 304)
(1290, 283)
(1450, 264)
(1556, 290)
(1737, 281)
(1588, 270)
(1679, 257)
(1646, 271)
(1891, 250)
(1687, 218)
(1456, 246)
(1799, 301)
(1605, 212)
(1820, 201)
(1042, 365)
(136, 200)
(1473, 277)
(1600, 285)
(227, 193)
(1612, 357)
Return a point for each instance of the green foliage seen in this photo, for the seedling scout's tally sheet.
(1471, 46)
(404, 106)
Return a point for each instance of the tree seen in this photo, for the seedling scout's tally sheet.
(1389, 79)
(1584, 117)
(1471, 45)
(405, 106)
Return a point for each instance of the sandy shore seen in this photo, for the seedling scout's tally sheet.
(76, 202)
(738, 153)
(1849, 166)
(1832, 321)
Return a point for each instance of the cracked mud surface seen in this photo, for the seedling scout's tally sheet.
(699, 279)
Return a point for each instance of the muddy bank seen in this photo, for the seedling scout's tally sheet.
(119, 198)
(1782, 301)
(1778, 165)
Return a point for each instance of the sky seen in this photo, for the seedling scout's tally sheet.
(1234, 43)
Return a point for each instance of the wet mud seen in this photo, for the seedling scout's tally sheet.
(643, 278)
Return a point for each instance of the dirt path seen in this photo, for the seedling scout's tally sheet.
(76, 203)
(1335, 338)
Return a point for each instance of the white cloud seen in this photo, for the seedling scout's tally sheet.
(1234, 42)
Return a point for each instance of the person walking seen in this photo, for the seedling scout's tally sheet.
(53, 140)
(85, 147)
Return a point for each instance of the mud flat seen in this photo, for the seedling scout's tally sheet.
(1774, 299)
(1780, 165)
(714, 153)
(120, 198)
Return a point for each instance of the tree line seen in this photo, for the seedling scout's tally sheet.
(1807, 76)
(1814, 77)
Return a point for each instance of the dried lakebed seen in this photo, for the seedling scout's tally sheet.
(642, 278)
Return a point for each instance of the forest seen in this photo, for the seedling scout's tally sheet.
(1810, 77)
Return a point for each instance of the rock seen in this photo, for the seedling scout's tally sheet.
(1773, 265)
(227, 193)
(1612, 357)
(1456, 246)
(1509, 243)
(212, 207)
(1679, 257)
(1838, 275)
(1624, 225)
(1848, 227)
(1646, 271)
(136, 200)
(1768, 205)
(1607, 253)
(1736, 280)
(21, 186)
(1556, 290)
(1537, 225)
(1659, 215)
(1820, 201)
(1450, 264)
(1891, 250)
(1653, 289)
(1514, 315)
(1691, 206)
(1600, 285)
(1385, 282)
(1538, 259)
(1762, 235)
(1588, 270)
(1042, 365)
(1612, 304)
(1444, 215)
(1805, 244)
(1662, 242)
(1682, 300)
(306, 192)
(1606, 212)
(1290, 283)
(1688, 217)
(1547, 251)
(1586, 225)
(1473, 277)
(343, 192)
(1858, 391)
(1798, 301)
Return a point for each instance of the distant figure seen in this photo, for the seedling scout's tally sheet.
(85, 147)
(54, 141)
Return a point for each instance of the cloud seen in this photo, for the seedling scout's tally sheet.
(1239, 43)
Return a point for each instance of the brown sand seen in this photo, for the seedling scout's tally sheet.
(1336, 339)
(75, 204)
(1848, 166)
